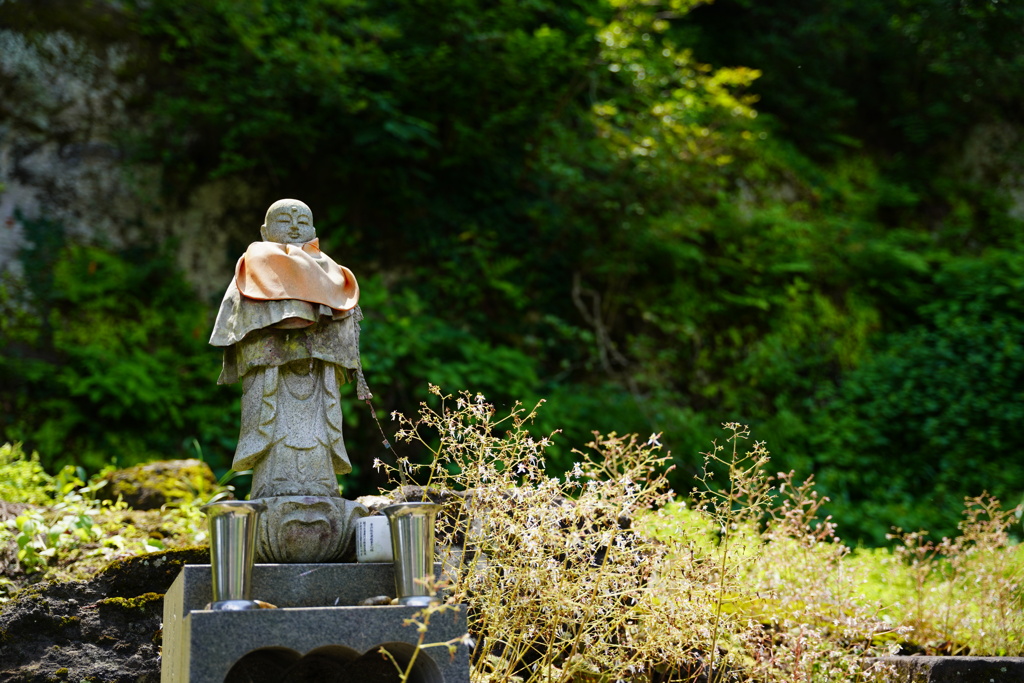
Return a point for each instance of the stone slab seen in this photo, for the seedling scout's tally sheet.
(218, 640)
(918, 669)
(317, 625)
(292, 585)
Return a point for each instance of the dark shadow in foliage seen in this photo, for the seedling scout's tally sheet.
(906, 75)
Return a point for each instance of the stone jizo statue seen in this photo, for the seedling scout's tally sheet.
(289, 326)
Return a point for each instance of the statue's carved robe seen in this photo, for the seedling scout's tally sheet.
(289, 326)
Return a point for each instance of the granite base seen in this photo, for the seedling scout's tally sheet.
(317, 633)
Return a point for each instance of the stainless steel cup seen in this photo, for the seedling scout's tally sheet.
(412, 541)
(232, 552)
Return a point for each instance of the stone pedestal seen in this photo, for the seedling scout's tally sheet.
(918, 669)
(307, 529)
(317, 633)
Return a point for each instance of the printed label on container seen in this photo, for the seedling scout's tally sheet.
(373, 539)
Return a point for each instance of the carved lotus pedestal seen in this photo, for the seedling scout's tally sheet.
(306, 529)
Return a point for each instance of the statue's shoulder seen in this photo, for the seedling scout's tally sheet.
(263, 250)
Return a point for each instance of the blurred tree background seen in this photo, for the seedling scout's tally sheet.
(657, 215)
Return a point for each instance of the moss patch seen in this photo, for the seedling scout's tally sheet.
(139, 603)
(149, 486)
(151, 572)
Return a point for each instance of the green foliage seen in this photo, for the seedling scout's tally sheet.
(23, 478)
(70, 529)
(578, 201)
(910, 74)
(769, 309)
(42, 536)
(275, 83)
(39, 540)
(105, 357)
(942, 399)
(405, 338)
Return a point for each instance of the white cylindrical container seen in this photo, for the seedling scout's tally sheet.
(373, 539)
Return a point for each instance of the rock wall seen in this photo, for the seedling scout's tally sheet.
(993, 155)
(66, 125)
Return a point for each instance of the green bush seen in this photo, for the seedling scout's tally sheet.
(24, 480)
(907, 75)
(106, 359)
(935, 414)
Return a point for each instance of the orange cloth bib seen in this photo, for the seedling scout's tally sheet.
(270, 271)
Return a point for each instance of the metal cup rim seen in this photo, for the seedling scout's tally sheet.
(247, 505)
(401, 509)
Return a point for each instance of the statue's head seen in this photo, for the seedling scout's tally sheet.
(288, 221)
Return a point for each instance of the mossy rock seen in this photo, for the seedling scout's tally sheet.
(107, 628)
(139, 605)
(154, 484)
(152, 572)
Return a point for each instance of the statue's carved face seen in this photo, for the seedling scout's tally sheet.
(289, 223)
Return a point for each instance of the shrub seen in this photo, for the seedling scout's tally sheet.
(595, 575)
(933, 416)
(104, 357)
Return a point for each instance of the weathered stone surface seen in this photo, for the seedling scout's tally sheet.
(71, 81)
(149, 486)
(307, 529)
(347, 640)
(285, 337)
(293, 585)
(318, 633)
(917, 669)
(105, 629)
